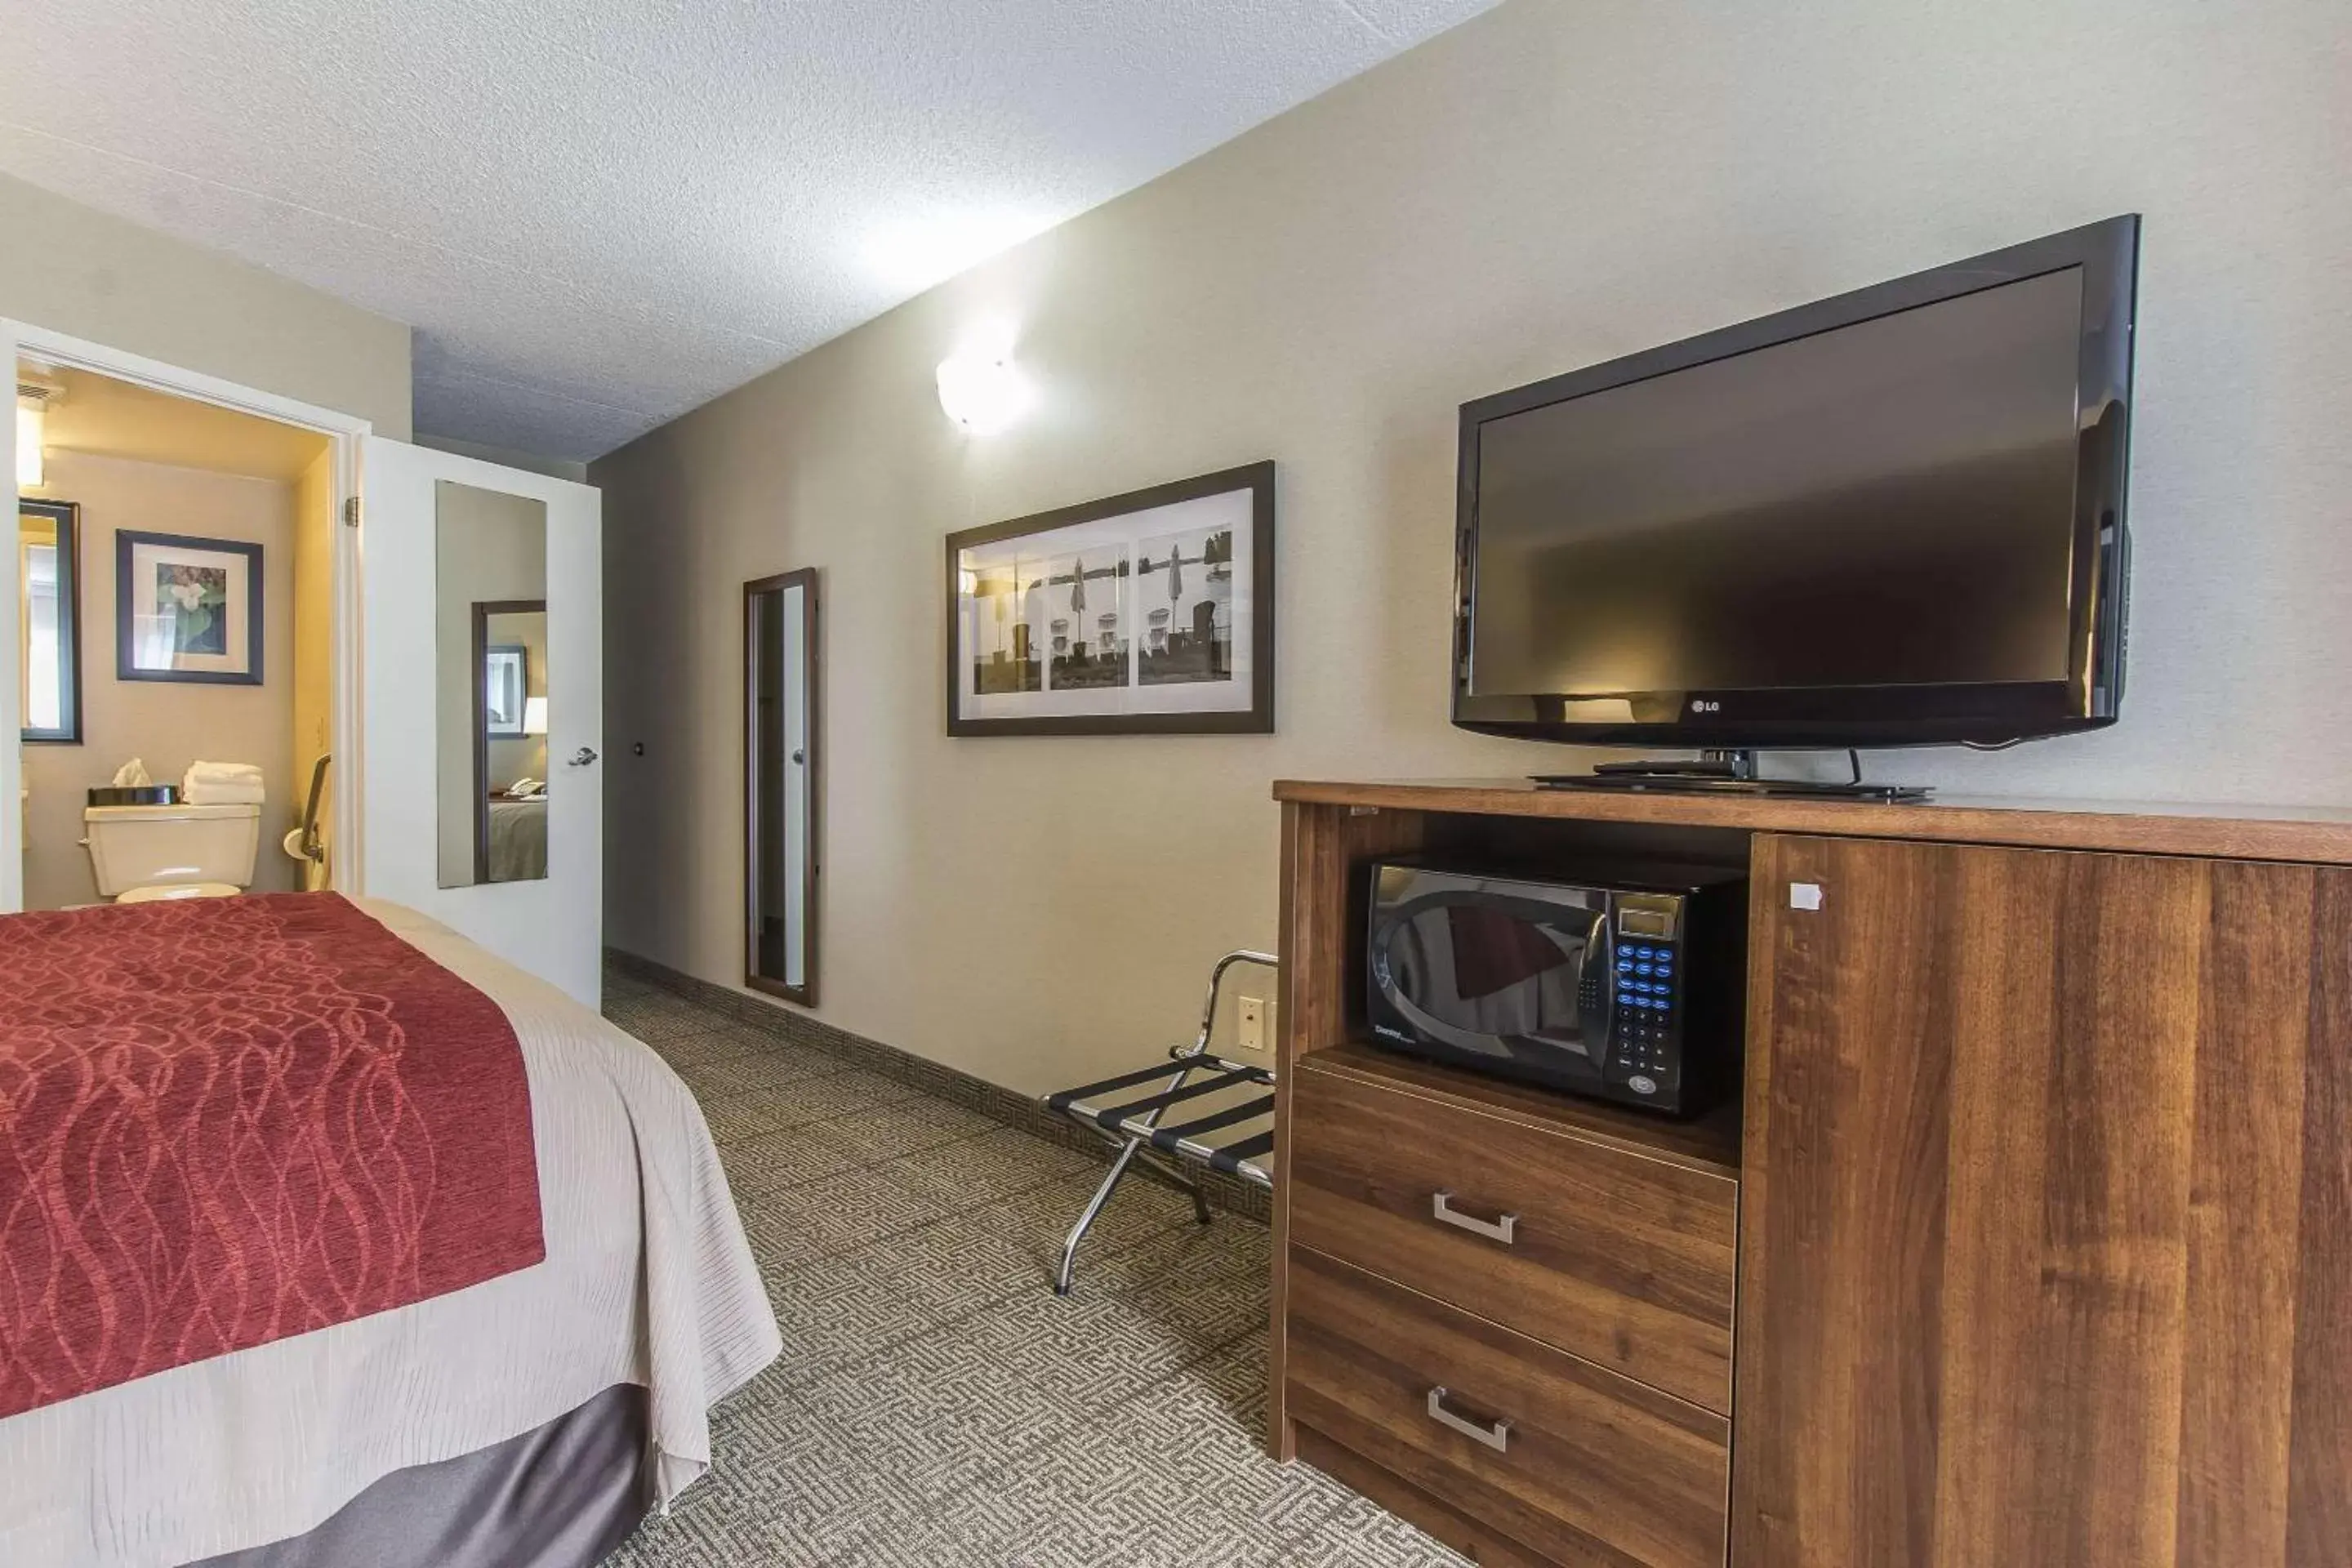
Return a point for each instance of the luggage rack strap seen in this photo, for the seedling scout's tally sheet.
(1064, 1098)
(1235, 1159)
(1109, 1119)
(1241, 1159)
(1167, 1137)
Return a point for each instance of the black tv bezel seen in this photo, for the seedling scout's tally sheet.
(1892, 715)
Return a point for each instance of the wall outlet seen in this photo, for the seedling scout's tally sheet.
(1250, 1024)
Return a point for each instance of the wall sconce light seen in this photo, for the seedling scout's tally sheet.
(31, 419)
(981, 389)
(534, 715)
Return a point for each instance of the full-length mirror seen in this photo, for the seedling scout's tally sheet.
(779, 749)
(492, 683)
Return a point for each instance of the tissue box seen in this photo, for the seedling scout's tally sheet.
(138, 795)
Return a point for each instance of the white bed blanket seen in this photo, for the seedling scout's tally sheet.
(647, 1280)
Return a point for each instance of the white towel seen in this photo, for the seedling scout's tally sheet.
(223, 773)
(222, 795)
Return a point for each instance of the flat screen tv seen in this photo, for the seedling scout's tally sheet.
(1892, 517)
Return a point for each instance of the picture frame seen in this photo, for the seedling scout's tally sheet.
(187, 609)
(1147, 613)
(506, 685)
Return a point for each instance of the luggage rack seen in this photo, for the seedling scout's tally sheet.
(1134, 1125)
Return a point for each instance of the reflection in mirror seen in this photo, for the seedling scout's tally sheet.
(510, 837)
(779, 688)
(492, 685)
(49, 571)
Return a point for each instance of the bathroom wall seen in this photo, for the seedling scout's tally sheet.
(168, 725)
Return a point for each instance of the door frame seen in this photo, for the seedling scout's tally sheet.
(344, 433)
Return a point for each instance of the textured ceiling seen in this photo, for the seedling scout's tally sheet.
(598, 213)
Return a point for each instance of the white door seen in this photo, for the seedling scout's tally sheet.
(482, 674)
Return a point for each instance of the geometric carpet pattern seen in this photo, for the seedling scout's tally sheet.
(936, 1403)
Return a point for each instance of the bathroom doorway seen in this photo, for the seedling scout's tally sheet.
(174, 612)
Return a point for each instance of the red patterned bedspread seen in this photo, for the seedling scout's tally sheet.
(227, 1121)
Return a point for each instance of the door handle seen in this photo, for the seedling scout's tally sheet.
(1442, 1209)
(584, 757)
(1496, 1434)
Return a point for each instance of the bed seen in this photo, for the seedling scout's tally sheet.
(517, 839)
(328, 1239)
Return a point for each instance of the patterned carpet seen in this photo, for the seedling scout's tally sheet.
(936, 1403)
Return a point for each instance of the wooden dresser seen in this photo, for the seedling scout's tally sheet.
(2027, 1242)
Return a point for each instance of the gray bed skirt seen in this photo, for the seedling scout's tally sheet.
(559, 1496)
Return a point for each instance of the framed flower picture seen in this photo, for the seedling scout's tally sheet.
(1150, 613)
(187, 609)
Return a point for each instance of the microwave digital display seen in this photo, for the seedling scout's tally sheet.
(1647, 922)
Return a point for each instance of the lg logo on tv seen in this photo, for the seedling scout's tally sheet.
(1701, 705)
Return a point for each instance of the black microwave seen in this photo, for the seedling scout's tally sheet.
(1627, 988)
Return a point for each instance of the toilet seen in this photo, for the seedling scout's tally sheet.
(144, 853)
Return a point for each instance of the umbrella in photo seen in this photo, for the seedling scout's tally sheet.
(1079, 586)
(1175, 572)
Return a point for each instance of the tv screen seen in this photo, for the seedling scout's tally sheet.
(1893, 517)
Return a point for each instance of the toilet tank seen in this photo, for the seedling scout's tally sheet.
(154, 845)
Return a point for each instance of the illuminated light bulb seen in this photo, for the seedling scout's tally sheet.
(982, 389)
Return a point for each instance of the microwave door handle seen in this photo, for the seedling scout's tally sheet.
(1597, 948)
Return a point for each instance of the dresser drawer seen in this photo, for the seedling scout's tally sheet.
(1576, 1463)
(1621, 1258)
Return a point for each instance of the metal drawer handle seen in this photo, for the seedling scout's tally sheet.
(1442, 1209)
(1496, 1434)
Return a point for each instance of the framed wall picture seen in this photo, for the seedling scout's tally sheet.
(1149, 613)
(187, 609)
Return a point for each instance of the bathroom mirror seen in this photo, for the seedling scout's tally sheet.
(779, 749)
(49, 571)
(492, 685)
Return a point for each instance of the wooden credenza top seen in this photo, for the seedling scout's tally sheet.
(2321, 834)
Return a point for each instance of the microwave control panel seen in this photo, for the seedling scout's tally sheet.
(1645, 978)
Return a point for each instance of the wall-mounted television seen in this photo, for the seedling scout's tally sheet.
(1890, 518)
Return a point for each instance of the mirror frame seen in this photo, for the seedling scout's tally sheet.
(483, 610)
(66, 517)
(806, 579)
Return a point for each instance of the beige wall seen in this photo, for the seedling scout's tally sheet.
(489, 545)
(74, 270)
(167, 724)
(1548, 187)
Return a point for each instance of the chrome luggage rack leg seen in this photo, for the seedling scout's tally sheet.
(1135, 1126)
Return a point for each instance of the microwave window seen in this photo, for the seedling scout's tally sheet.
(1645, 922)
(1472, 972)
